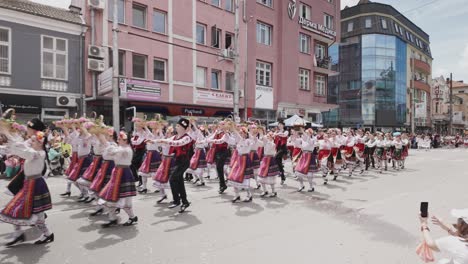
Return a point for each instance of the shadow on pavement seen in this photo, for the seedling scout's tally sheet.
(111, 236)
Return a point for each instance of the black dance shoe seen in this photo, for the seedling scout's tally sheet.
(258, 186)
(197, 180)
(184, 207)
(301, 189)
(273, 194)
(201, 184)
(117, 211)
(311, 190)
(20, 238)
(222, 189)
(248, 200)
(235, 199)
(65, 194)
(173, 205)
(263, 194)
(82, 199)
(143, 191)
(130, 221)
(89, 200)
(47, 239)
(161, 199)
(97, 212)
(109, 224)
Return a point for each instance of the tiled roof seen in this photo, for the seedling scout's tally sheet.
(26, 6)
(456, 84)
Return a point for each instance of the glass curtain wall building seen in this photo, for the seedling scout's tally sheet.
(375, 86)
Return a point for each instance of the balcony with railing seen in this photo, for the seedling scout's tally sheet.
(421, 85)
(324, 65)
(421, 66)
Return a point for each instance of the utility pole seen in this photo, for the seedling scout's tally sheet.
(449, 82)
(236, 63)
(115, 75)
(413, 99)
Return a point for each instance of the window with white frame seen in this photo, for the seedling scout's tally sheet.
(201, 77)
(263, 33)
(384, 23)
(320, 84)
(139, 66)
(305, 11)
(216, 2)
(201, 33)
(5, 50)
(320, 51)
(328, 21)
(263, 73)
(215, 79)
(350, 26)
(304, 79)
(215, 37)
(159, 70)
(229, 5)
(368, 22)
(229, 81)
(268, 3)
(159, 21)
(120, 10)
(139, 15)
(304, 43)
(54, 58)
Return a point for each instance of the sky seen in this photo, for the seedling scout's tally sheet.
(446, 22)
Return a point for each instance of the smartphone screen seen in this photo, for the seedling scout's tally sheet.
(424, 208)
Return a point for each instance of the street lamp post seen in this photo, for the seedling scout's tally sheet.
(115, 82)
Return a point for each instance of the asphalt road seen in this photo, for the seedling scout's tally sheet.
(368, 218)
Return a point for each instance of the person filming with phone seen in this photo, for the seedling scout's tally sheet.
(454, 245)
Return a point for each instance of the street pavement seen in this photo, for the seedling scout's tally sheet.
(368, 218)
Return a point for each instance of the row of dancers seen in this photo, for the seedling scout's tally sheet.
(106, 164)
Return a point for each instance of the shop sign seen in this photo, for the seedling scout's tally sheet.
(211, 97)
(263, 97)
(193, 111)
(420, 110)
(317, 28)
(139, 89)
(105, 82)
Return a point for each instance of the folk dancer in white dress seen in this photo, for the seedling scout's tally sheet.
(161, 177)
(242, 172)
(120, 190)
(152, 158)
(398, 151)
(380, 154)
(269, 171)
(28, 205)
(307, 165)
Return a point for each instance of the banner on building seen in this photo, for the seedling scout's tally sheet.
(263, 97)
(139, 89)
(421, 110)
(210, 97)
(105, 82)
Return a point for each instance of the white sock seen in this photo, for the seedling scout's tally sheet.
(144, 181)
(129, 211)
(69, 186)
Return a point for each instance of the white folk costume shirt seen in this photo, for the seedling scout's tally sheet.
(153, 145)
(107, 154)
(255, 143)
(325, 144)
(269, 147)
(244, 146)
(200, 141)
(184, 140)
(380, 143)
(84, 145)
(350, 141)
(387, 142)
(121, 155)
(405, 142)
(34, 160)
(371, 143)
(397, 144)
(360, 139)
(98, 147)
(336, 142)
(455, 248)
(73, 140)
(225, 139)
(141, 137)
(308, 143)
(165, 147)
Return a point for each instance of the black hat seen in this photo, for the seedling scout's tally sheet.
(36, 124)
(183, 122)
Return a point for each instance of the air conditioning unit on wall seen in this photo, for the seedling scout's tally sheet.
(96, 65)
(96, 51)
(96, 4)
(66, 101)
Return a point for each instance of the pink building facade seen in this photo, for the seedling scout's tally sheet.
(176, 57)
